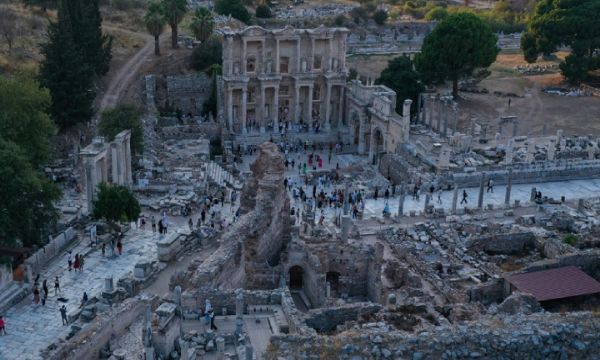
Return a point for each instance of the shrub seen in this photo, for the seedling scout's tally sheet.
(571, 239)
(380, 16)
(263, 11)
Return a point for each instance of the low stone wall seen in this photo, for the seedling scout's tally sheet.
(327, 319)
(188, 92)
(488, 293)
(511, 243)
(560, 170)
(538, 336)
(193, 300)
(101, 330)
(43, 256)
(206, 129)
(588, 261)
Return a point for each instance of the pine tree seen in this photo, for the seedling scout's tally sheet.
(65, 72)
(96, 47)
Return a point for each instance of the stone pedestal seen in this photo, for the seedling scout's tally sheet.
(480, 198)
(508, 188)
(346, 225)
(454, 200)
(239, 305)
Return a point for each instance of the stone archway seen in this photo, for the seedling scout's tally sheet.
(377, 147)
(333, 278)
(296, 278)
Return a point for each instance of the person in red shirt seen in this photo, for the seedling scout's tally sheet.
(2, 329)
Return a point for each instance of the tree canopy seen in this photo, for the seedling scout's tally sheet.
(155, 23)
(235, 8)
(116, 203)
(26, 199)
(207, 54)
(24, 117)
(380, 16)
(458, 45)
(203, 24)
(263, 11)
(565, 23)
(174, 11)
(74, 55)
(123, 117)
(401, 76)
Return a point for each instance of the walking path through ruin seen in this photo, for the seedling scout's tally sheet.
(32, 327)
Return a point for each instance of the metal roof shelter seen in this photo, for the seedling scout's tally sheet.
(554, 284)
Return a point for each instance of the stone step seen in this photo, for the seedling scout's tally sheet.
(11, 295)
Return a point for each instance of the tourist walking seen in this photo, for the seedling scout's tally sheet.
(464, 197)
(439, 200)
(56, 286)
(212, 320)
(490, 185)
(76, 263)
(2, 326)
(36, 295)
(45, 288)
(84, 300)
(120, 247)
(63, 315)
(103, 249)
(81, 263)
(153, 222)
(70, 259)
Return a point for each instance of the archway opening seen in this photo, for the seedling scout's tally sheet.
(333, 278)
(296, 277)
(378, 148)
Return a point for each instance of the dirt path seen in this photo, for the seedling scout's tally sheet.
(122, 78)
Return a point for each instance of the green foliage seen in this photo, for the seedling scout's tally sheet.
(203, 24)
(215, 147)
(75, 54)
(116, 203)
(352, 74)
(174, 11)
(571, 239)
(401, 76)
(26, 199)
(436, 13)
(43, 4)
(235, 8)
(66, 74)
(263, 11)
(207, 54)
(155, 23)
(123, 117)
(359, 14)
(565, 23)
(210, 106)
(340, 20)
(459, 44)
(24, 119)
(380, 16)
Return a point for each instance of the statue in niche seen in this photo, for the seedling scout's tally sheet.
(236, 68)
(269, 67)
(304, 65)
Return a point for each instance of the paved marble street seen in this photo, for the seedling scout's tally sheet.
(32, 327)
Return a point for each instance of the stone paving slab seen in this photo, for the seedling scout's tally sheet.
(32, 327)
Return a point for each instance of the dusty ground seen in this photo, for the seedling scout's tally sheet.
(535, 109)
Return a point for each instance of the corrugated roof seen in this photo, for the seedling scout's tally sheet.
(556, 283)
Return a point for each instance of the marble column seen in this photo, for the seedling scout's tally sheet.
(371, 140)
(297, 104)
(230, 109)
(454, 199)
(230, 48)
(275, 110)
(481, 185)
(298, 68)
(401, 201)
(244, 60)
(310, 104)
(361, 136)
(277, 57)
(328, 107)
(243, 111)
(508, 188)
(341, 107)
(261, 111)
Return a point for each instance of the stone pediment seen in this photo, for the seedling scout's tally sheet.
(254, 31)
(287, 30)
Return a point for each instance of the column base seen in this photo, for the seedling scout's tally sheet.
(262, 130)
(327, 126)
(244, 131)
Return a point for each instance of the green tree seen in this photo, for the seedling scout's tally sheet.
(235, 8)
(203, 24)
(401, 76)
(123, 117)
(437, 13)
(380, 16)
(263, 11)
(155, 23)
(24, 117)
(43, 4)
(26, 199)
(174, 11)
(87, 29)
(116, 203)
(65, 73)
(210, 106)
(206, 54)
(458, 45)
(565, 23)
